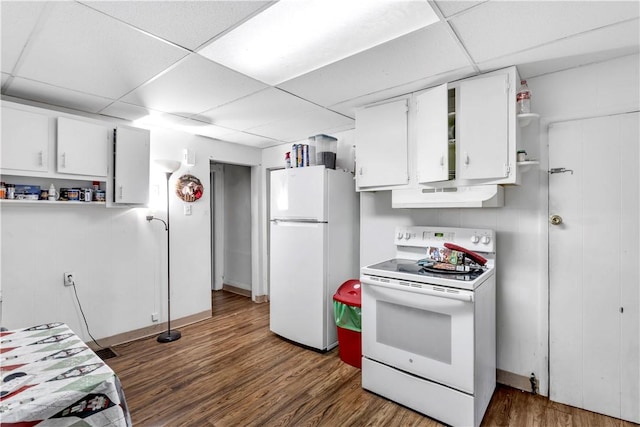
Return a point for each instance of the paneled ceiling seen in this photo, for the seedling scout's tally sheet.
(149, 61)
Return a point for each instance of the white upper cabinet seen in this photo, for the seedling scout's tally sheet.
(129, 185)
(482, 137)
(454, 143)
(432, 142)
(381, 152)
(82, 148)
(25, 141)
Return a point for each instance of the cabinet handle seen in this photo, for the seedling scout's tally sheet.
(64, 160)
(120, 197)
(360, 171)
(41, 154)
(441, 160)
(466, 158)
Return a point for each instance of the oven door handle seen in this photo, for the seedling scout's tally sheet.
(436, 291)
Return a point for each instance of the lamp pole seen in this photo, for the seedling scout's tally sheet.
(168, 335)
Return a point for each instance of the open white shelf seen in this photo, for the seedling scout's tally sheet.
(8, 202)
(525, 119)
(527, 164)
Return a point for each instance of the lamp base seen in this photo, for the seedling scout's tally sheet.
(169, 336)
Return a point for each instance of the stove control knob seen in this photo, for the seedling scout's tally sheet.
(475, 239)
(486, 239)
(407, 236)
(400, 236)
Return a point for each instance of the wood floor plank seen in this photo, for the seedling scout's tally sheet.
(230, 370)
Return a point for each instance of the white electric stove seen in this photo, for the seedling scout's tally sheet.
(428, 323)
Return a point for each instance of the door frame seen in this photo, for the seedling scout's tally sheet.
(217, 220)
(217, 228)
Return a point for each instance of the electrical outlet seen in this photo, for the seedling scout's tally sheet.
(154, 317)
(69, 278)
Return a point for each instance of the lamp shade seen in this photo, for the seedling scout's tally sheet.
(167, 165)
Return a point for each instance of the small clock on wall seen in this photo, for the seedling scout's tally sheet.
(189, 188)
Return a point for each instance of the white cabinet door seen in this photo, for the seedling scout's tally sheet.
(25, 141)
(83, 147)
(381, 145)
(131, 168)
(482, 135)
(432, 151)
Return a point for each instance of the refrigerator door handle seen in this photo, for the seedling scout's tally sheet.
(300, 220)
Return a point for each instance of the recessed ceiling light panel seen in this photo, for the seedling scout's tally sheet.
(294, 37)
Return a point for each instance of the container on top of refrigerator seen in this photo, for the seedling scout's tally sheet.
(326, 148)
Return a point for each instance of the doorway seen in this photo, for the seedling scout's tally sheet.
(594, 240)
(231, 231)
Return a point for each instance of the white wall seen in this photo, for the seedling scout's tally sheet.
(118, 257)
(521, 225)
(237, 218)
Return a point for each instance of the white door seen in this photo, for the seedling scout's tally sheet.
(432, 146)
(299, 193)
(482, 128)
(594, 325)
(131, 169)
(381, 145)
(297, 277)
(25, 140)
(82, 148)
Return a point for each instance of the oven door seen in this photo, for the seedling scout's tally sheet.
(426, 332)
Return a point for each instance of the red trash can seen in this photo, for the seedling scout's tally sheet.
(347, 303)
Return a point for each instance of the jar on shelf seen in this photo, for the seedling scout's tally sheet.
(3, 191)
(522, 156)
(11, 191)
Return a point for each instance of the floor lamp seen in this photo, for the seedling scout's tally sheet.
(168, 167)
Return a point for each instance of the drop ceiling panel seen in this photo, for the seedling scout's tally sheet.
(303, 126)
(85, 50)
(267, 106)
(452, 7)
(200, 128)
(186, 23)
(498, 28)
(125, 111)
(42, 92)
(598, 45)
(18, 21)
(249, 139)
(426, 52)
(194, 85)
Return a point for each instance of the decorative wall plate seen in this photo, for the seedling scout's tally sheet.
(189, 188)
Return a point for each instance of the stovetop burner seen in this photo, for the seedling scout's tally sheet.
(408, 266)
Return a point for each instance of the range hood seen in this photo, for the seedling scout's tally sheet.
(477, 196)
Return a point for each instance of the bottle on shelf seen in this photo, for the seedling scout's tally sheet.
(52, 192)
(523, 98)
(11, 191)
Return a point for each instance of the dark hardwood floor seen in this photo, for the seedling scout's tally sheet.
(232, 371)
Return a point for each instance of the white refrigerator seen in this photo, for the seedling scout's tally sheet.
(314, 248)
